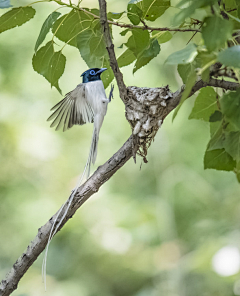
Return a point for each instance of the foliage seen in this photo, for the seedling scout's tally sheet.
(80, 27)
(154, 231)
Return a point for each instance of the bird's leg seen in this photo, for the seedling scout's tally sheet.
(111, 93)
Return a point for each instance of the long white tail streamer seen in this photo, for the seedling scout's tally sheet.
(69, 201)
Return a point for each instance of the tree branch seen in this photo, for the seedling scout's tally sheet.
(110, 48)
(129, 26)
(92, 185)
(227, 85)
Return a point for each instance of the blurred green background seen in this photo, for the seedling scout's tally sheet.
(169, 228)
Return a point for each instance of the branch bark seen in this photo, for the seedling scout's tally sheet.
(106, 171)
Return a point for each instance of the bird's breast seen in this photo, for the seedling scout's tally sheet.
(96, 96)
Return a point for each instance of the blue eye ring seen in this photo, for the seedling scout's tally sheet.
(92, 72)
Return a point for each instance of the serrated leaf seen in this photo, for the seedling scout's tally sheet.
(115, 15)
(49, 64)
(138, 41)
(16, 17)
(47, 25)
(230, 106)
(5, 4)
(218, 27)
(230, 56)
(162, 37)
(232, 144)
(147, 55)
(205, 104)
(69, 26)
(92, 47)
(153, 9)
(134, 13)
(126, 58)
(185, 71)
(187, 91)
(184, 56)
(218, 159)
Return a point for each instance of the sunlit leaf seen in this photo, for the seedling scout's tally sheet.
(126, 58)
(49, 64)
(162, 37)
(47, 25)
(115, 15)
(138, 41)
(16, 17)
(134, 12)
(67, 27)
(152, 9)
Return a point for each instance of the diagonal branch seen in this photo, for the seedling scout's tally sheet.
(110, 48)
(91, 186)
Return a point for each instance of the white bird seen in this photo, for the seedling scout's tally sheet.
(86, 103)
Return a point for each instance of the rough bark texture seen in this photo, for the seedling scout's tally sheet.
(146, 109)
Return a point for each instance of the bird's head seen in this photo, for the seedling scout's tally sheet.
(92, 74)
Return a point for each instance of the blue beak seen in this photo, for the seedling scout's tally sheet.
(101, 70)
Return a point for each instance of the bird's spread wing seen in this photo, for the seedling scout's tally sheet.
(73, 109)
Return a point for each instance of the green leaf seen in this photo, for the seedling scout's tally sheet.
(230, 56)
(190, 83)
(184, 56)
(107, 76)
(126, 58)
(69, 26)
(153, 9)
(47, 25)
(185, 71)
(204, 61)
(216, 31)
(230, 106)
(134, 12)
(189, 8)
(124, 32)
(115, 15)
(162, 37)
(16, 17)
(49, 64)
(232, 145)
(205, 104)
(217, 136)
(138, 41)
(147, 55)
(216, 116)
(218, 159)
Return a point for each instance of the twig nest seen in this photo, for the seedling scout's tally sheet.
(146, 109)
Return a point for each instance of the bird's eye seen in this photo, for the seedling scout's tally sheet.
(92, 72)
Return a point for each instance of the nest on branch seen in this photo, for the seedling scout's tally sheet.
(145, 110)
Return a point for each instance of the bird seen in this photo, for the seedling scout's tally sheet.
(87, 103)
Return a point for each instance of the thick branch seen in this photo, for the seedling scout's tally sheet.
(38, 244)
(92, 185)
(227, 85)
(110, 48)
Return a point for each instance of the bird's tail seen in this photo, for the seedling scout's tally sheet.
(86, 172)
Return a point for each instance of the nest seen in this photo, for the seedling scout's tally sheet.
(145, 110)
